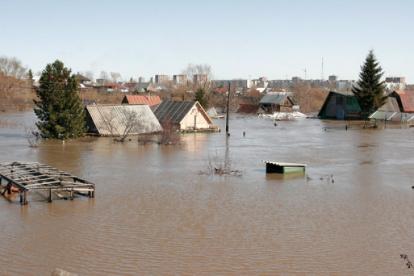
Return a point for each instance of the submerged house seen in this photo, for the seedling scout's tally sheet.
(183, 115)
(250, 109)
(142, 87)
(341, 106)
(118, 120)
(137, 99)
(277, 102)
(394, 110)
(405, 100)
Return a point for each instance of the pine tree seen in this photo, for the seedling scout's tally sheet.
(200, 96)
(370, 93)
(59, 111)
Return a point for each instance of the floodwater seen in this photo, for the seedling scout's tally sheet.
(157, 211)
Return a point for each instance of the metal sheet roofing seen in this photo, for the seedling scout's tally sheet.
(175, 111)
(149, 100)
(273, 99)
(390, 105)
(116, 85)
(407, 100)
(115, 119)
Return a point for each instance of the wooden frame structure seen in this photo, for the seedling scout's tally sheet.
(23, 177)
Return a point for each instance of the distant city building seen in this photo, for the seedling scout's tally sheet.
(296, 79)
(333, 78)
(239, 83)
(200, 79)
(345, 85)
(395, 83)
(180, 79)
(141, 79)
(263, 79)
(161, 78)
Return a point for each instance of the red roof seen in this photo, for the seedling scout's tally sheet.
(407, 100)
(149, 100)
(115, 85)
(220, 89)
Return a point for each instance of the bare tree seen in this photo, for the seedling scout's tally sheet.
(110, 121)
(13, 67)
(133, 123)
(169, 135)
(115, 76)
(89, 75)
(203, 73)
(309, 98)
(105, 77)
(125, 122)
(14, 84)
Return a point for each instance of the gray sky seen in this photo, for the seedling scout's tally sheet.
(238, 39)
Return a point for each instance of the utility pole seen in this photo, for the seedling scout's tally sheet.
(227, 110)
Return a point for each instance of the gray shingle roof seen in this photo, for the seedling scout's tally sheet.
(273, 99)
(173, 111)
(114, 119)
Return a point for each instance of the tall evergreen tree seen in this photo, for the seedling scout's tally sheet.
(200, 96)
(370, 93)
(59, 111)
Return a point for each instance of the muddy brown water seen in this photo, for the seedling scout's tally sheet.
(157, 212)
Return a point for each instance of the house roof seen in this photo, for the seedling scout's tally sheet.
(221, 89)
(86, 102)
(407, 100)
(343, 93)
(114, 119)
(116, 85)
(390, 105)
(175, 111)
(149, 100)
(81, 78)
(144, 85)
(130, 85)
(273, 98)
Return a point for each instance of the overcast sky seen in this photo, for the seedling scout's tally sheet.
(238, 39)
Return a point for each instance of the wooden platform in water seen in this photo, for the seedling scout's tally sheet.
(280, 167)
(22, 177)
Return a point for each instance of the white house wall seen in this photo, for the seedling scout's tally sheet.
(188, 121)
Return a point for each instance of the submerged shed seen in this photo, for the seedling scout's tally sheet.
(277, 102)
(183, 115)
(340, 105)
(212, 112)
(116, 120)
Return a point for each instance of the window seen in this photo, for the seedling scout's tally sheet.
(348, 100)
(338, 100)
